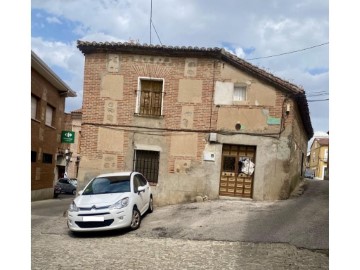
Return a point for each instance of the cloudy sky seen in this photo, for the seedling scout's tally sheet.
(285, 37)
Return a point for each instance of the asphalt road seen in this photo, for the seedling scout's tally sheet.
(300, 221)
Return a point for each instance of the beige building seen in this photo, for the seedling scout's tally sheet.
(48, 93)
(194, 121)
(319, 158)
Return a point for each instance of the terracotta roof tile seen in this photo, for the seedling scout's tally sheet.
(77, 111)
(323, 141)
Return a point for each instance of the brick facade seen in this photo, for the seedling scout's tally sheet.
(45, 139)
(189, 115)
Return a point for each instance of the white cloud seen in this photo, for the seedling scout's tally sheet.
(53, 20)
(240, 52)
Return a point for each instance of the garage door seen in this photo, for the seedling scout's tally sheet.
(237, 170)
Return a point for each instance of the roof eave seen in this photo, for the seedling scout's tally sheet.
(48, 74)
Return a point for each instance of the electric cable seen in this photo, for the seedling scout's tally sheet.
(269, 56)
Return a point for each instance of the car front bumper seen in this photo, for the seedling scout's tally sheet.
(99, 220)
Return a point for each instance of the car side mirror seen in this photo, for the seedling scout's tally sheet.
(80, 192)
(141, 189)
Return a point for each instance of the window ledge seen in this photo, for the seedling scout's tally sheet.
(149, 116)
(35, 120)
(50, 126)
(240, 102)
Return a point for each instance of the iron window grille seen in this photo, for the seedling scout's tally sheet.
(150, 97)
(147, 163)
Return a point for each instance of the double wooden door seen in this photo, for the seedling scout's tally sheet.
(237, 170)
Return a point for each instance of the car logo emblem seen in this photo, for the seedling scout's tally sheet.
(93, 207)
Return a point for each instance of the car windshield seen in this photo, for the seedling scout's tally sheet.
(111, 184)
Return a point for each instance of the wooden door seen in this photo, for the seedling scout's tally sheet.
(235, 180)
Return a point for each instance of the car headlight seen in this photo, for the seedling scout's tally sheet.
(73, 207)
(120, 204)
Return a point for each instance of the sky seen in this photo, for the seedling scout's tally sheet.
(287, 38)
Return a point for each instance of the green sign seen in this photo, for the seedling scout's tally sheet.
(67, 136)
(273, 121)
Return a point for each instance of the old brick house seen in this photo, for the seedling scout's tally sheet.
(48, 93)
(195, 121)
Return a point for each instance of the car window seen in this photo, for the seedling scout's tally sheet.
(63, 181)
(136, 183)
(102, 185)
(142, 180)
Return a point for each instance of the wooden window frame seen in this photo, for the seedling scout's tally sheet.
(152, 112)
(36, 109)
(240, 88)
(48, 106)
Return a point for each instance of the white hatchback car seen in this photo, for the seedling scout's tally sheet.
(111, 201)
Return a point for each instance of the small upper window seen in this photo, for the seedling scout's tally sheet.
(150, 95)
(33, 156)
(49, 115)
(239, 93)
(34, 107)
(47, 158)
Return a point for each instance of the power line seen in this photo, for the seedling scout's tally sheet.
(156, 33)
(308, 48)
(313, 92)
(152, 25)
(150, 20)
(316, 95)
(316, 100)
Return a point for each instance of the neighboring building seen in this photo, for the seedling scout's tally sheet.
(319, 158)
(73, 123)
(48, 93)
(195, 122)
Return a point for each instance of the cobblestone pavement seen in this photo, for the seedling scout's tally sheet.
(54, 247)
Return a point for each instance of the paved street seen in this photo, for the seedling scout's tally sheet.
(219, 234)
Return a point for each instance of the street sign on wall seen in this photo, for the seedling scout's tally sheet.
(67, 136)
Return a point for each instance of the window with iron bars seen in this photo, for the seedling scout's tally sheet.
(147, 163)
(150, 95)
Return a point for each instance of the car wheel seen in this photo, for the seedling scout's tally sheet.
(136, 219)
(151, 205)
(74, 192)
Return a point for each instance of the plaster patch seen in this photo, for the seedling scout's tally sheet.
(110, 140)
(109, 161)
(187, 117)
(110, 112)
(190, 91)
(224, 93)
(182, 166)
(113, 63)
(190, 67)
(112, 86)
(184, 144)
(252, 119)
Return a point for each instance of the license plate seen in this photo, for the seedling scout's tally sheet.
(93, 218)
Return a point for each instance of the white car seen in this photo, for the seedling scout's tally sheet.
(111, 201)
